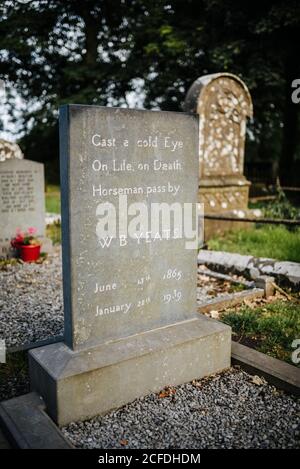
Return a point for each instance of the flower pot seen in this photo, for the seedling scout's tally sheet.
(30, 252)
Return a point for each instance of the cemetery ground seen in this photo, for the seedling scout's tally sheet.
(32, 307)
(268, 325)
(229, 410)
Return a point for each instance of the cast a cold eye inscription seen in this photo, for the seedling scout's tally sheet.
(149, 142)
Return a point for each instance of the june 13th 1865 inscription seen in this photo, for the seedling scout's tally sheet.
(129, 195)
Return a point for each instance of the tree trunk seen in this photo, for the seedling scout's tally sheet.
(91, 42)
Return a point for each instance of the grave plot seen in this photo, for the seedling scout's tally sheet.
(31, 299)
(236, 409)
(31, 309)
(264, 317)
(228, 410)
(35, 291)
(269, 325)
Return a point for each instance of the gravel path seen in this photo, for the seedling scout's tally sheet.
(226, 411)
(31, 306)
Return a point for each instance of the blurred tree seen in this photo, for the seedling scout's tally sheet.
(56, 52)
(110, 52)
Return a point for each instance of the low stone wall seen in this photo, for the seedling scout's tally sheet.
(286, 273)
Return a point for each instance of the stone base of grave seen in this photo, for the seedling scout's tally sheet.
(228, 198)
(82, 384)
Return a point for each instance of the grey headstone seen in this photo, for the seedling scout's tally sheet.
(22, 199)
(110, 359)
(134, 276)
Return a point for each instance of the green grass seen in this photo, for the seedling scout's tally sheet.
(53, 206)
(264, 241)
(53, 232)
(272, 327)
(52, 199)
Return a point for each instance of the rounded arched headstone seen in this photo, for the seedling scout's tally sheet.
(223, 103)
(10, 151)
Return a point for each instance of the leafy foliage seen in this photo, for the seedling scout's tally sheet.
(101, 52)
(281, 207)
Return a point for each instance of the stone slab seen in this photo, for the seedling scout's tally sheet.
(231, 300)
(267, 283)
(114, 157)
(223, 103)
(218, 259)
(280, 374)
(285, 273)
(27, 426)
(80, 384)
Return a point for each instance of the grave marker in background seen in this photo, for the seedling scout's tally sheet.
(223, 103)
(9, 150)
(22, 200)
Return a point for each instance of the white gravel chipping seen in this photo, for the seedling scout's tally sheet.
(31, 306)
(226, 411)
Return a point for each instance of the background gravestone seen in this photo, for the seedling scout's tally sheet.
(9, 150)
(131, 324)
(22, 200)
(223, 103)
